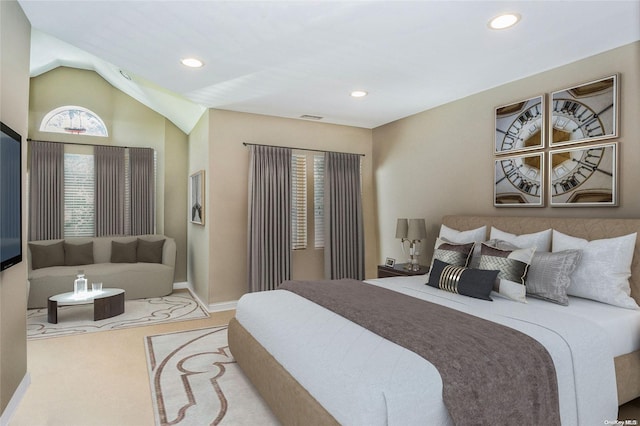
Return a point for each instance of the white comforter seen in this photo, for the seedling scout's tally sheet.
(363, 379)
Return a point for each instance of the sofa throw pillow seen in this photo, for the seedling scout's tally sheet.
(78, 254)
(477, 235)
(149, 251)
(512, 264)
(124, 252)
(475, 283)
(43, 256)
(603, 272)
(452, 253)
(549, 275)
(540, 240)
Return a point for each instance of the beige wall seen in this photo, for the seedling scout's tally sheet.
(129, 123)
(441, 161)
(198, 235)
(15, 39)
(228, 163)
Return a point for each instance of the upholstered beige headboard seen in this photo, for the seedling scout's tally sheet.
(590, 229)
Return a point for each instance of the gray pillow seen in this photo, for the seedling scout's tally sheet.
(78, 254)
(549, 275)
(124, 252)
(150, 251)
(43, 256)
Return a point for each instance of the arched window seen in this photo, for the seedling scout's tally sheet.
(74, 120)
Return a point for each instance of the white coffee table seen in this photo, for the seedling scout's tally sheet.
(107, 303)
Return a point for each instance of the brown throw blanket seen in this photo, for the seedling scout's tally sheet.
(491, 374)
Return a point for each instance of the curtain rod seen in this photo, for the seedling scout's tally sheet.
(301, 149)
(85, 144)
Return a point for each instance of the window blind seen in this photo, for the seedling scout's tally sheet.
(79, 195)
(318, 200)
(298, 202)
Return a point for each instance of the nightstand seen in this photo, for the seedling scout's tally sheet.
(399, 271)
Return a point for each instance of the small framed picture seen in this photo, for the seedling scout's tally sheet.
(196, 210)
(518, 181)
(390, 262)
(585, 176)
(519, 126)
(585, 113)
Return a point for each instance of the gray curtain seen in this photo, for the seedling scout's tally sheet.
(110, 190)
(46, 191)
(143, 194)
(343, 224)
(269, 227)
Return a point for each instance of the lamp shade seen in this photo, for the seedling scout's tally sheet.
(402, 227)
(417, 229)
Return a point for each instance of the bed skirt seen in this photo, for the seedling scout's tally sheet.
(288, 400)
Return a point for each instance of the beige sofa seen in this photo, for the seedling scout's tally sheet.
(135, 269)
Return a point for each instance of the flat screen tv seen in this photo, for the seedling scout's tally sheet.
(10, 197)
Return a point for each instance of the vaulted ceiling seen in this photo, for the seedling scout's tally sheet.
(295, 58)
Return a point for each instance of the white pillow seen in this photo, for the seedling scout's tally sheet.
(540, 240)
(603, 272)
(462, 237)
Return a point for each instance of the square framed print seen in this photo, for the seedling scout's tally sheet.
(585, 176)
(520, 126)
(389, 262)
(518, 181)
(196, 200)
(585, 113)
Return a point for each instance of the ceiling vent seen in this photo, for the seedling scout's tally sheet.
(311, 117)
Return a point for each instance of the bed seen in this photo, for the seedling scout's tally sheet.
(315, 367)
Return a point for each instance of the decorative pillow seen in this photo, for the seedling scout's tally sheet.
(603, 271)
(452, 253)
(149, 251)
(124, 252)
(477, 235)
(549, 275)
(460, 280)
(540, 240)
(78, 254)
(513, 265)
(43, 256)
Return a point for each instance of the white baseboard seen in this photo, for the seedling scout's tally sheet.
(21, 390)
(222, 306)
(184, 284)
(213, 307)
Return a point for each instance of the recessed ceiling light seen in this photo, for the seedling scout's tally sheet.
(358, 93)
(503, 21)
(191, 62)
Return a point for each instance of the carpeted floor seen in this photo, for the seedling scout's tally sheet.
(95, 379)
(196, 381)
(72, 320)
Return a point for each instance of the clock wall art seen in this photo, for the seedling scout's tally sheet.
(585, 113)
(584, 176)
(518, 181)
(520, 126)
(576, 167)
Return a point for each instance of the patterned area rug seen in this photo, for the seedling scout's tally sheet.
(195, 381)
(178, 306)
